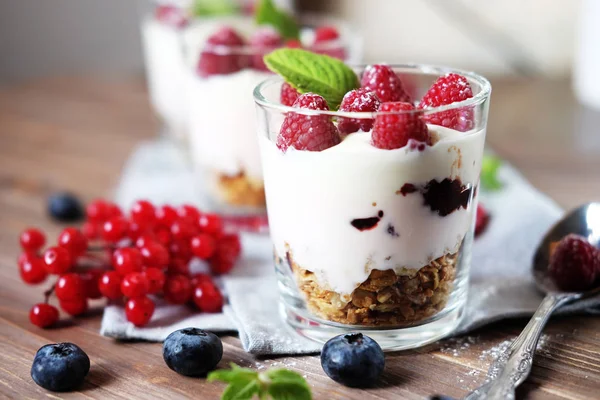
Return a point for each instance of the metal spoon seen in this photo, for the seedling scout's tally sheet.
(513, 366)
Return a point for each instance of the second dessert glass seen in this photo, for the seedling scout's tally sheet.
(370, 239)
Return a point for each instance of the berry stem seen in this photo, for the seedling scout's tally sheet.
(101, 247)
(48, 293)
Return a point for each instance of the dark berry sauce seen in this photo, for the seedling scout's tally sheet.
(406, 189)
(446, 196)
(365, 224)
(392, 231)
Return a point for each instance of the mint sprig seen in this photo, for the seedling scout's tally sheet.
(277, 384)
(208, 8)
(317, 73)
(489, 172)
(267, 14)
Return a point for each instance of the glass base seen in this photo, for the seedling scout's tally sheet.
(390, 339)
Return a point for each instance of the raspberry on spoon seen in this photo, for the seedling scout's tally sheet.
(382, 80)
(448, 89)
(574, 264)
(358, 100)
(308, 132)
(397, 124)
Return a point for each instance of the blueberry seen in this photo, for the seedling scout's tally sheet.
(65, 207)
(60, 367)
(353, 359)
(192, 351)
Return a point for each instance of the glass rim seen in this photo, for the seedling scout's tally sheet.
(483, 95)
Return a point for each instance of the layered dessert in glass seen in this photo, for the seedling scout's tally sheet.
(227, 65)
(371, 204)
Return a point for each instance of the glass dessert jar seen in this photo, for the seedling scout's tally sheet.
(373, 238)
(226, 66)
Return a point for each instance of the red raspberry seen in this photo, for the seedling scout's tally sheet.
(171, 16)
(288, 94)
(214, 62)
(574, 264)
(264, 41)
(43, 315)
(393, 131)
(207, 297)
(308, 132)
(449, 89)
(326, 33)
(382, 80)
(358, 100)
(482, 218)
(293, 44)
(139, 310)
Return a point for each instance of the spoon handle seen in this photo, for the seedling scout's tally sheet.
(512, 367)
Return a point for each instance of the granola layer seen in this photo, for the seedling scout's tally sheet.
(384, 299)
(240, 190)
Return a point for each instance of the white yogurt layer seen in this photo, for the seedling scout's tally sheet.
(222, 122)
(312, 197)
(165, 69)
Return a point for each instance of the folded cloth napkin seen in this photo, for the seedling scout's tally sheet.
(501, 285)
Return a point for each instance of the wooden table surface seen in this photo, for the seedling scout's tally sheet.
(75, 133)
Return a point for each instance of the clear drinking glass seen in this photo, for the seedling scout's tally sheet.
(376, 240)
(221, 113)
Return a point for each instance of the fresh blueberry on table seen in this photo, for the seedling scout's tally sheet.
(192, 351)
(65, 207)
(353, 360)
(60, 367)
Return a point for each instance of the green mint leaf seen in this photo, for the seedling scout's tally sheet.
(284, 374)
(489, 172)
(289, 390)
(241, 391)
(317, 73)
(207, 8)
(234, 375)
(285, 24)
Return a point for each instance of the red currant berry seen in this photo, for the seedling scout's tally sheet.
(188, 213)
(114, 210)
(91, 230)
(70, 287)
(155, 255)
(57, 260)
(221, 265)
(139, 310)
(43, 315)
(110, 285)
(24, 257)
(32, 239)
(226, 254)
(136, 230)
(97, 211)
(74, 241)
(203, 246)
(163, 236)
(201, 277)
(182, 230)
(33, 270)
(178, 289)
(134, 284)
(210, 223)
(156, 279)
(91, 280)
(145, 238)
(115, 229)
(208, 298)
(178, 266)
(127, 260)
(165, 215)
(74, 307)
(181, 249)
(143, 213)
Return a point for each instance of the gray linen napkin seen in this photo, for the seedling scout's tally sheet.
(501, 285)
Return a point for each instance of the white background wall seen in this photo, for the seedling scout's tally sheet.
(50, 37)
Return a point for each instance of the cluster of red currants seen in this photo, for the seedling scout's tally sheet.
(117, 257)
